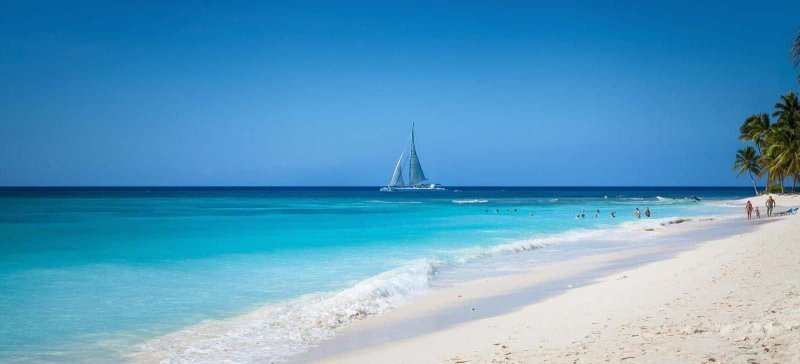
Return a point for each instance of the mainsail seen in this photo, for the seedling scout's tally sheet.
(397, 176)
(415, 173)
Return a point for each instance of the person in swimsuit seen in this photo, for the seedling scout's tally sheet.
(647, 212)
(758, 213)
(637, 213)
(770, 206)
(749, 209)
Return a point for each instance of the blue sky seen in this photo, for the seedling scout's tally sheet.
(306, 93)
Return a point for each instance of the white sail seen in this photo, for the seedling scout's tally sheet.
(415, 173)
(397, 176)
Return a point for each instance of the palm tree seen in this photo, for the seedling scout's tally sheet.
(747, 161)
(787, 110)
(783, 155)
(794, 53)
(783, 140)
(755, 129)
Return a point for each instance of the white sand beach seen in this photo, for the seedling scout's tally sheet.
(730, 300)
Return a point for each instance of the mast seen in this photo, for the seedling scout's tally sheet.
(415, 173)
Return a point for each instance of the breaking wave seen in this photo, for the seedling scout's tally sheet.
(393, 202)
(469, 201)
(276, 331)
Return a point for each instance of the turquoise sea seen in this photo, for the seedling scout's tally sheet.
(91, 274)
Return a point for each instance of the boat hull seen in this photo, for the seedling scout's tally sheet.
(413, 189)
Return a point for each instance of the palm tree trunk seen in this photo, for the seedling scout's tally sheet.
(768, 182)
(783, 188)
(754, 183)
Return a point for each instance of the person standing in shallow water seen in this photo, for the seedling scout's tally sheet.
(647, 212)
(748, 207)
(637, 213)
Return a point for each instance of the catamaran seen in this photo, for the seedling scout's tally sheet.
(415, 174)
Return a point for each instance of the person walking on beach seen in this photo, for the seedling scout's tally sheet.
(647, 212)
(749, 209)
(770, 205)
(758, 213)
(637, 213)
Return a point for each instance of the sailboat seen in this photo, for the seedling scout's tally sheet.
(416, 176)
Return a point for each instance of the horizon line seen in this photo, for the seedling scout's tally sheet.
(371, 186)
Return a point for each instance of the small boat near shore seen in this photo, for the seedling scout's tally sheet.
(416, 176)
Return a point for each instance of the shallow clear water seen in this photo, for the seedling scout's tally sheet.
(88, 273)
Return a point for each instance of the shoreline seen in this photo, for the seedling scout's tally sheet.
(642, 313)
(247, 333)
(486, 297)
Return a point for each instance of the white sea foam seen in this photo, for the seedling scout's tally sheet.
(276, 331)
(726, 203)
(630, 231)
(469, 201)
(670, 200)
(393, 202)
(523, 245)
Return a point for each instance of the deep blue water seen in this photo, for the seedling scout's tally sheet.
(94, 272)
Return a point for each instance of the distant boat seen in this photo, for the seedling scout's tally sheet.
(416, 176)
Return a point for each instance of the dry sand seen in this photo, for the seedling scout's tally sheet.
(732, 300)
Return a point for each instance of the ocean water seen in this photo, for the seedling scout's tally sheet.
(105, 274)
